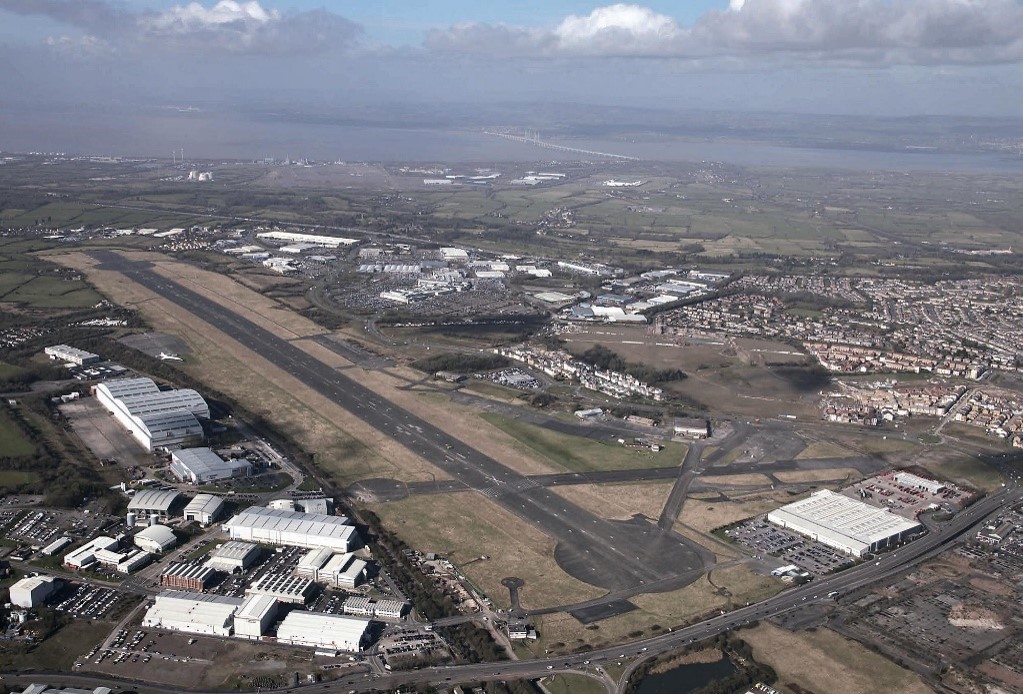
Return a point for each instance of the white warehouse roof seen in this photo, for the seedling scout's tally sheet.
(157, 500)
(155, 538)
(204, 504)
(282, 527)
(846, 524)
(320, 630)
(128, 387)
(194, 612)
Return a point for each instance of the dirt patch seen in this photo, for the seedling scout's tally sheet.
(826, 475)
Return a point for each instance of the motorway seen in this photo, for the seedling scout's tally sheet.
(868, 573)
(616, 555)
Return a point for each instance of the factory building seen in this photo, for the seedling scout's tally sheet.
(201, 465)
(33, 591)
(310, 239)
(55, 546)
(324, 631)
(283, 587)
(204, 509)
(234, 556)
(156, 539)
(908, 479)
(123, 562)
(156, 418)
(191, 577)
(85, 556)
(195, 613)
(255, 616)
(325, 566)
(71, 355)
(365, 607)
(310, 504)
(279, 527)
(842, 523)
(153, 503)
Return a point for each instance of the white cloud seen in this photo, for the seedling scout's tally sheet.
(846, 31)
(194, 16)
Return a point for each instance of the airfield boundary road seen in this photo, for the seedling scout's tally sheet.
(614, 555)
(868, 573)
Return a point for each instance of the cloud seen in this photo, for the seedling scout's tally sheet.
(872, 32)
(233, 26)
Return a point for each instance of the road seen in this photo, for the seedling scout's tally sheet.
(796, 598)
(611, 554)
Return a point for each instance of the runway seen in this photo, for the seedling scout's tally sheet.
(615, 555)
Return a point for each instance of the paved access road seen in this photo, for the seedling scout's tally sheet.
(866, 574)
(617, 555)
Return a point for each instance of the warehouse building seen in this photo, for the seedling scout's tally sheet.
(283, 587)
(201, 465)
(204, 509)
(365, 607)
(55, 546)
(191, 577)
(324, 631)
(46, 689)
(156, 539)
(123, 562)
(33, 591)
(255, 616)
(312, 561)
(153, 503)
(85, 556)
(156, 418)
(842, 523)
(279, 527)
(71, 355)
(314, 503)
(195, 613)
(234, 556)
(344, 571)
(908, 479)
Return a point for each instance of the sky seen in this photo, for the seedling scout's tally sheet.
(858, 57)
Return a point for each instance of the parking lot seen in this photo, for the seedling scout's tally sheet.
(89, 602)
(762, 538)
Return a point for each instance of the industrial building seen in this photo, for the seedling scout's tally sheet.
(190, 577)
(255, 615)
(365, 607)
(325, 566)
(85, 556)
(153, 503)
(155, 539)
(305, 504)
(155, 418)
(55, 546)
(201, 465)
(46, 689)
(204, 509)
(323, 631)
(123, 562)
(71, 355)
(280, 527)
(234, 556)
(842, 523)
(691, 427)
(908, 479)
(195, 613)
(311, 239)
(283, 587)
(33, 590)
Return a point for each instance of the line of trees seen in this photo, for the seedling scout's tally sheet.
(603, 358)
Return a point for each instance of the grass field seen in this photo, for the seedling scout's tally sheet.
(620, 501)
(576, 454)
(59, 652)
(572, 684)
(14, 478)
(466, 526)
(12, 442)
(8, 371)
(828, 662)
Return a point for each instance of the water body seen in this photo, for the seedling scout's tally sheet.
(686, 678)
(216, 135)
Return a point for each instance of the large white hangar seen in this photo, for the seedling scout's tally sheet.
(153, 503)
(842, 523)
(199, 465)
(325, 631)
(280, 527)
(156, 418)
(196, 613)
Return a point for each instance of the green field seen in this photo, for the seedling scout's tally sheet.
(572, 684)
(13, 443)
(10, 479)
(9, 371)
(576, 454)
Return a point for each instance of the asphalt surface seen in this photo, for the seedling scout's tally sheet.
(804, 596)
(615, 555)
